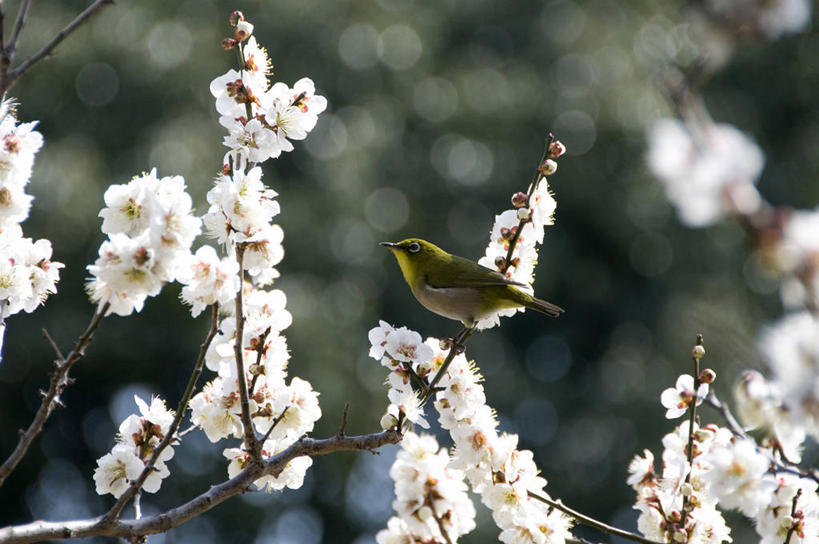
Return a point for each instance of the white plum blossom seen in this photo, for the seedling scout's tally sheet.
(678, 399)
(406, 345)
(150, 229)
(116, 470)
(216, 410)
(27, 274)
(430, 495)
(737, 476)
(207, 279)
(708, 171)
(138, 437)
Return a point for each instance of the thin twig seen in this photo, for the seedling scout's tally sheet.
(343, 419)
(793, 514)
(532, 187)
(273, 425)
(53, 345)
(22, 14)
(10, 77)
(691, 420)
(59, 380)
(136, 485)
(429, 502)
(591, 522)
(163, 522)
(457, 347)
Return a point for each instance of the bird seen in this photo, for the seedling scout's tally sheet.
(457, 288)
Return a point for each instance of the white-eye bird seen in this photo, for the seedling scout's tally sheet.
(458, 288)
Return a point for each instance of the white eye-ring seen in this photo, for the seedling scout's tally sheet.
(414, 247)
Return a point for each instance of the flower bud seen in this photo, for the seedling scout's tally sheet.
(679, 535)
(556, 149)
(674, 516)
(242, 31)
(707, 376)
(686, 489)
(236, 17)
(787, 522)
(547, 167)
(424, 513)
(228, 44)
(388, 421)
(519, 200)
(500, 262)
(698, 352)
(524, 214)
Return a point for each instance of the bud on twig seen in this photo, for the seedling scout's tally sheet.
(547, 167)
(236, 17)
(228, 44)
(519, 200)
(707, 376)
(524, 214)
(388, 421)
(698, 352)
(500, 262)
(556, 149)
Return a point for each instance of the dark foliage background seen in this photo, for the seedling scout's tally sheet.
(438, 111)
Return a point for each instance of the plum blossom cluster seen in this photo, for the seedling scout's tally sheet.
(27, 273)
(709, 171)
(430, 495)
(405, 354)
(504, 476)
(523, 228)
(705, 467)
(150, 226)
(790, 248)
(787, 406)
(138, 437)
(675, 505)
(281, 411)
(260, 118)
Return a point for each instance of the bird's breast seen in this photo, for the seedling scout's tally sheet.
(459, 303)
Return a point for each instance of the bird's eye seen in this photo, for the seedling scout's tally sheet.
(414, 247)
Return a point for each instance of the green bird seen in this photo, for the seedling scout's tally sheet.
(458, 288)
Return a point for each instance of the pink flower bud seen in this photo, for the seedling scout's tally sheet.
(675, 516)
(698, 352)
(556, 149)
(228, 44)
(519, 200)
(236, 17)
(707, 376)
(547, 167)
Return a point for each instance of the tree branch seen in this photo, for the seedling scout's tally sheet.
(591, 522)
(58, 382)
(251, 444)
(131, 529)
(8, 78)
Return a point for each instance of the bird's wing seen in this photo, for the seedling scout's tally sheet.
(469, 274)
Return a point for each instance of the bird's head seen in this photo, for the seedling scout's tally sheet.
(415, 256)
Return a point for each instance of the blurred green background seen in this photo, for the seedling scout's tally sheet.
(437, 114)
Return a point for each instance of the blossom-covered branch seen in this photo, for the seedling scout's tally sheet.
(164, 521)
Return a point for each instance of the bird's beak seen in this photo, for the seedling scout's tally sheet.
(389, 245)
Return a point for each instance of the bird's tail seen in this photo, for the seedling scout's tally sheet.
(547, 308)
